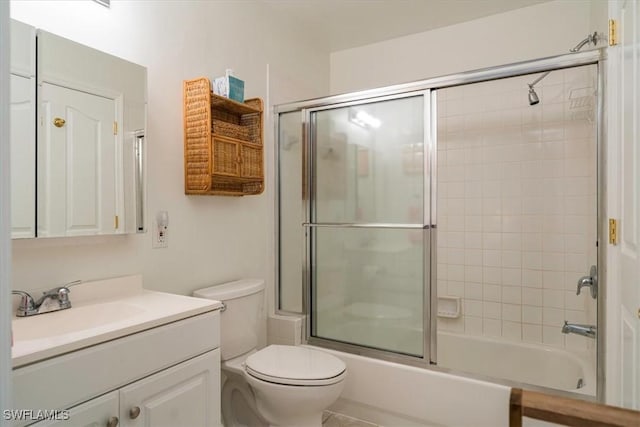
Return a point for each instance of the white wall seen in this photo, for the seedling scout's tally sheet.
(538, 31)
(211, 239)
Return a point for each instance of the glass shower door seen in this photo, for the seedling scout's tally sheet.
(368, 232)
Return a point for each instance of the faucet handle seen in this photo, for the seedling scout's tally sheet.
(27, 304)
(63, 297)
(74, 283)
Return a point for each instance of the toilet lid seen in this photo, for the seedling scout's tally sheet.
(294, 365)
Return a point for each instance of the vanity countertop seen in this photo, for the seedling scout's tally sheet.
(101, 311)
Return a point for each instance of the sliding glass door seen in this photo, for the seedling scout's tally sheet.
(368, 224)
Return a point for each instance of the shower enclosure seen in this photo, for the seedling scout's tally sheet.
(447, 223)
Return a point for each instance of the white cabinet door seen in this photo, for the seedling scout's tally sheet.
(99, 412)
(23, 158)
(185, 395)
(76, 163)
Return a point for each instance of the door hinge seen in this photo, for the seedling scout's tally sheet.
(115, 128)
(613, 32)
(613, 231)
(117, 222)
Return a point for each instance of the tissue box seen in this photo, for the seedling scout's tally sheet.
(230, 87)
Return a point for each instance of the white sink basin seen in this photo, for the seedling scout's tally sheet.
(48, 326)
(100, 311)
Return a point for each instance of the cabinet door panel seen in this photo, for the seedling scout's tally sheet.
(77, 163)
(94, 413)
(184, 395)
(226, 156)
(23, 156)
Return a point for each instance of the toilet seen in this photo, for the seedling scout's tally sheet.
(280, 385)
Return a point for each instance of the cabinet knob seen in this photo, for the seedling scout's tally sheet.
(58, 122)
(134, 412)
(113, 422)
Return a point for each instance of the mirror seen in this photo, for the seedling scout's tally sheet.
(84, 151)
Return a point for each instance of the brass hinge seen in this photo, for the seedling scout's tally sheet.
(115, 128)
(613, 231)
(117, 222)
(613, 32)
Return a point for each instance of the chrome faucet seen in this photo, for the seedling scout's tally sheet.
(588, 331)
(30, 307)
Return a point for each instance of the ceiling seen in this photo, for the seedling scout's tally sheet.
(345, 24)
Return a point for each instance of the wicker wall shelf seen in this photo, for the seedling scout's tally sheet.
(223, 143)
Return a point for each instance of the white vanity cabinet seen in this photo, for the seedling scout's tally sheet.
(98, 412)
(168, 375)
(180, 396)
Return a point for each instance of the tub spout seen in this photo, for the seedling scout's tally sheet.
(588, 331)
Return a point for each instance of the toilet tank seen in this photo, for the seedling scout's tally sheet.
(240, 320)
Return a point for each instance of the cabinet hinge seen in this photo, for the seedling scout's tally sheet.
(613, 32)
(117, 222)
(115, 128)
(613, 231)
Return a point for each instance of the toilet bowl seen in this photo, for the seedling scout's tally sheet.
(279, 385)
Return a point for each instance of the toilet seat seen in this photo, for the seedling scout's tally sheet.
(295, 365)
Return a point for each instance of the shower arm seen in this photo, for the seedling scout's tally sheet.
(591, 38)
(533, 83)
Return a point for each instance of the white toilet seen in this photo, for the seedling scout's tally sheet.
(280, 385)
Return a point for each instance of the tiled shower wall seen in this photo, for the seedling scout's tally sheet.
(516, 206)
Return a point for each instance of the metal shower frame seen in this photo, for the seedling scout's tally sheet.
(428, 88)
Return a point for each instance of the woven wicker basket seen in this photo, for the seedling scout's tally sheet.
(223, 149)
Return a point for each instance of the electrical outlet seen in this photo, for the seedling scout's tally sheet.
(161, 230)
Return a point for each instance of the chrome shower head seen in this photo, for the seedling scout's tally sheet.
(533, 96)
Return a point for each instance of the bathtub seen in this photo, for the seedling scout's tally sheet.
(515, 361)
(392, 394)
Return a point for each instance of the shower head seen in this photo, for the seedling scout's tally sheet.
(533, 96)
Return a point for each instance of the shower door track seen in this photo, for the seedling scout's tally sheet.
(596, 57)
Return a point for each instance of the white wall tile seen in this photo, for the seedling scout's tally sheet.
(492, 327)
(455, 289)
(532, 278)
(552, 298)
(532, 260)
(473, 257)
(553, 336)
(491, 293)
(473, 325)
(553, 317)
(512, 241)
(472, 273)
(512, 330)
(492, 258)
(512, 312)
(532, 315)
(512, 277)
(512, 259)
(492, 275)
(512, 294)
(532, 296)
(473, 308)
(532, 333)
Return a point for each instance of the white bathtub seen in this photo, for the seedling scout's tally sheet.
(395, 395)
(521, 362)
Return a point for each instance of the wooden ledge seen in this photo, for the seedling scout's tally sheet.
(567, 411)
